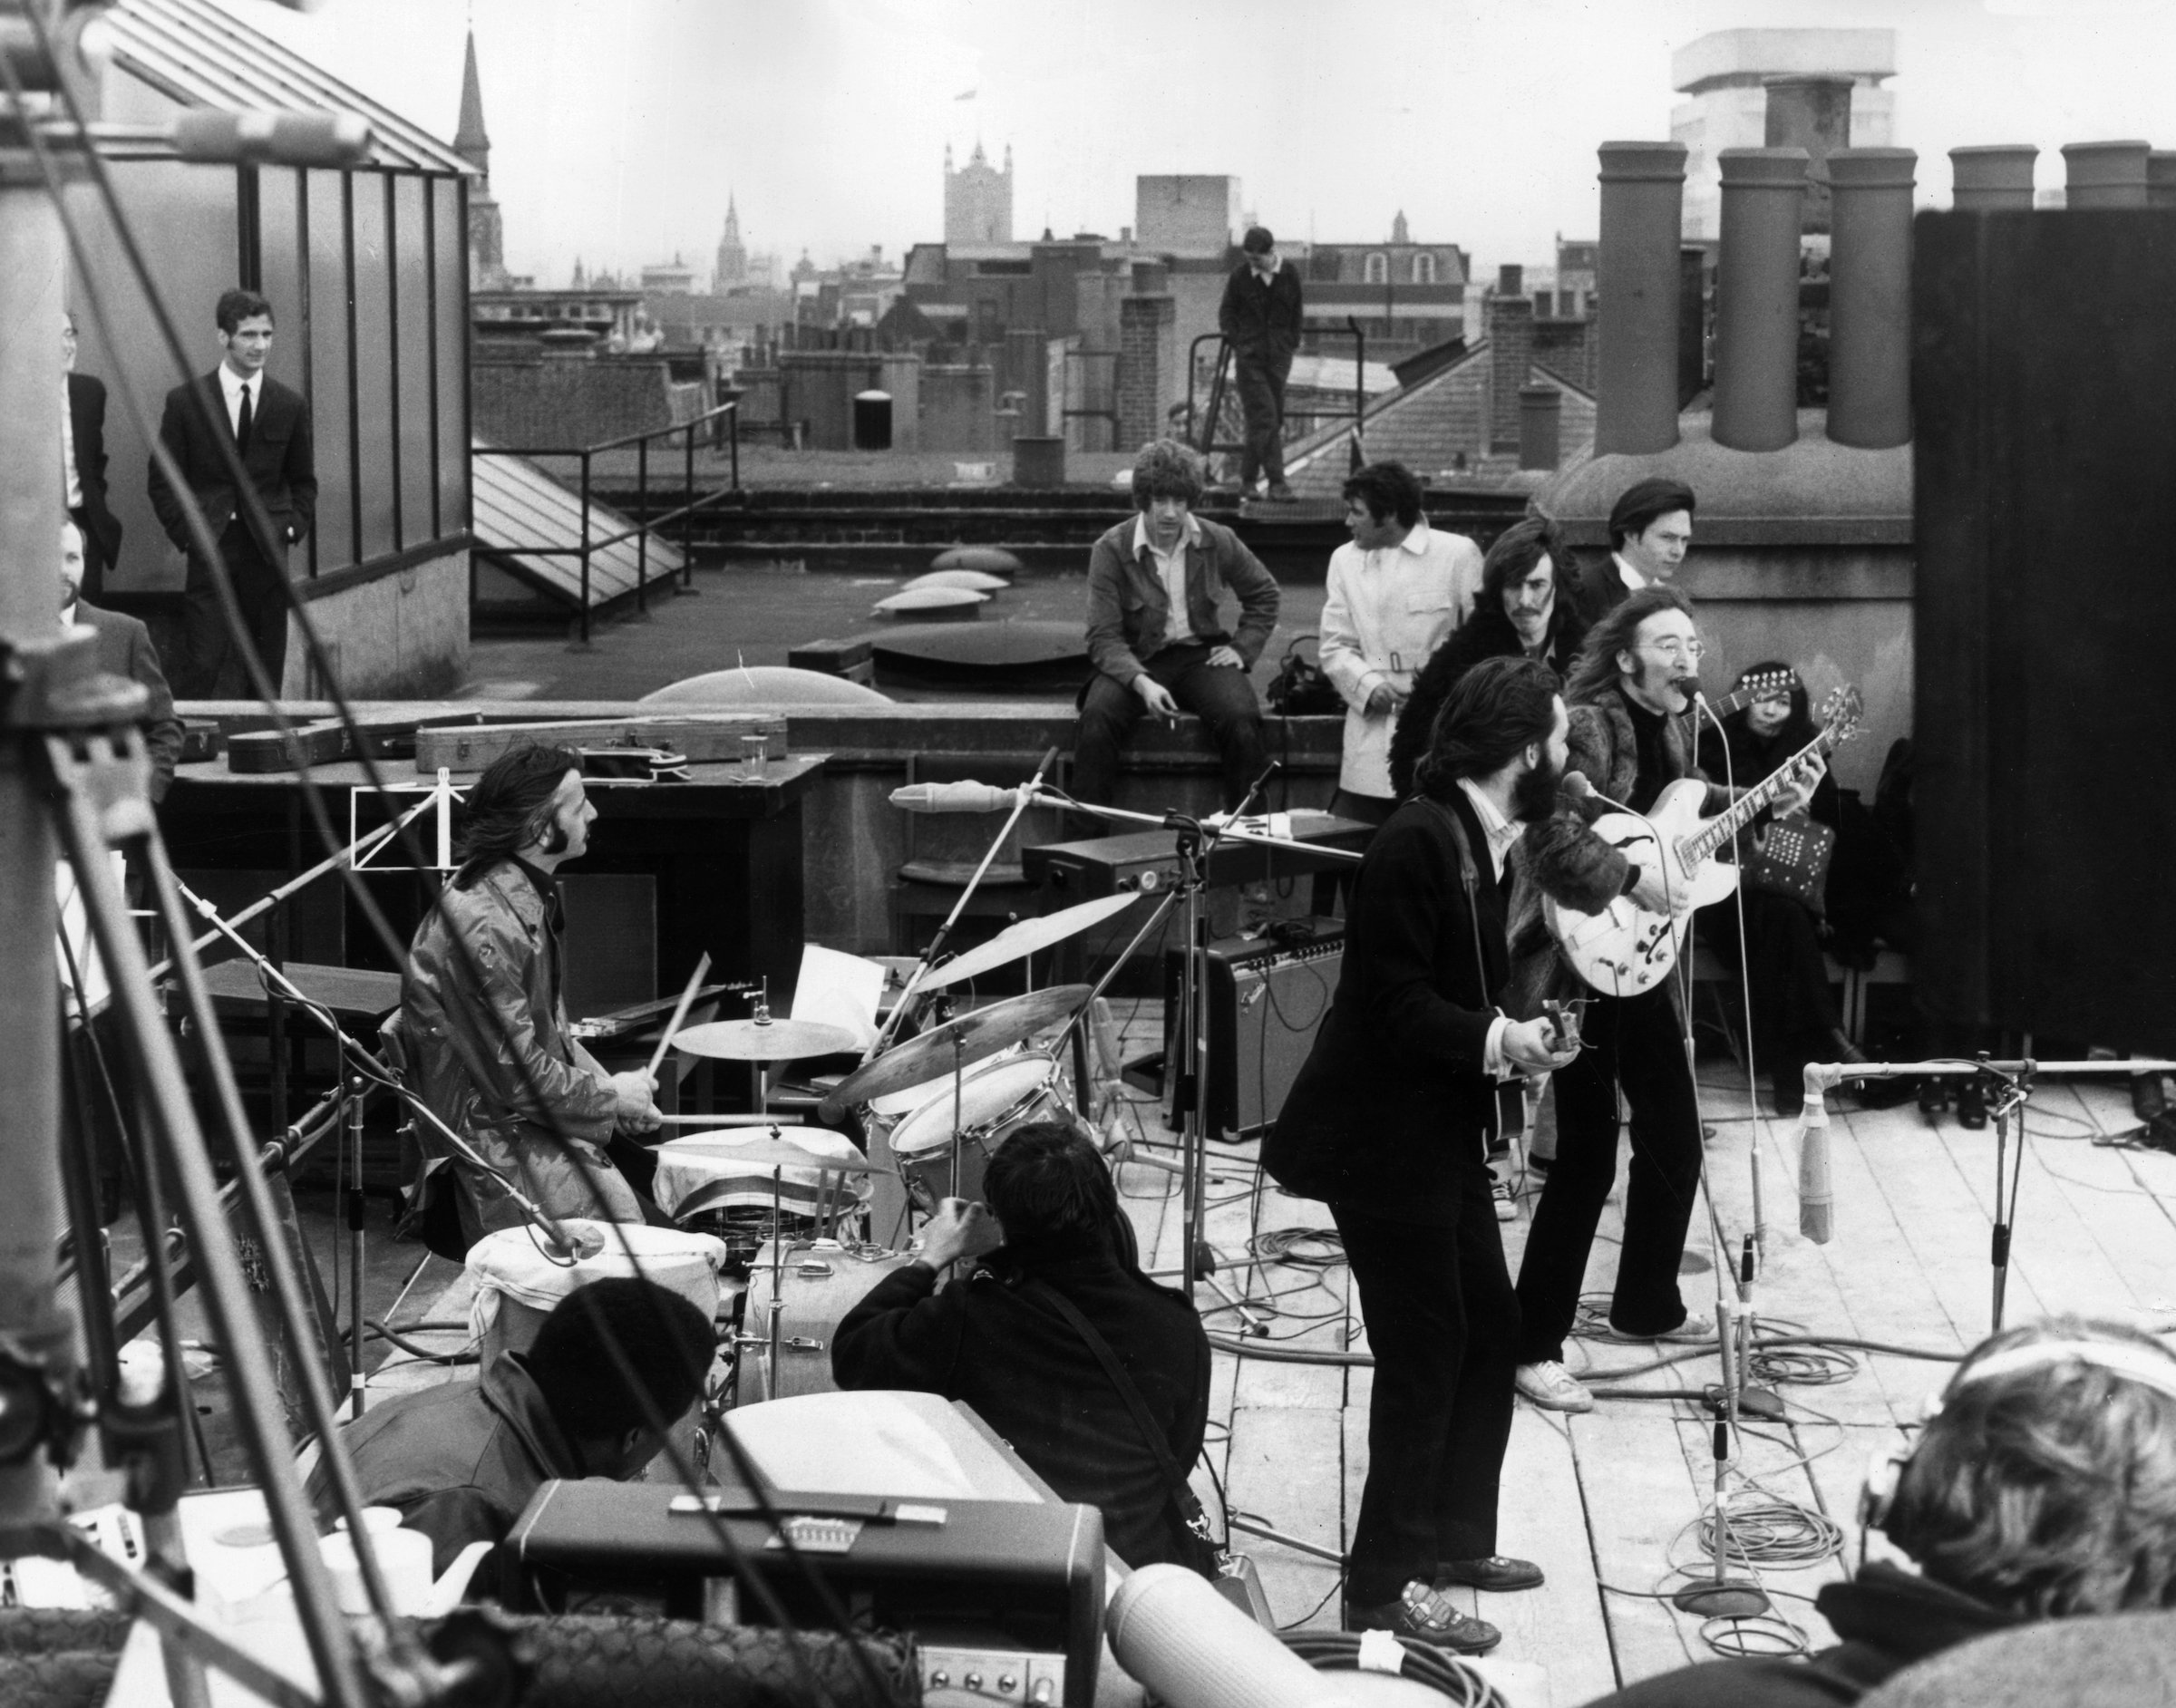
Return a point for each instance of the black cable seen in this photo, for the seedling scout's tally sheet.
(1424, 1664)
(380, 1332)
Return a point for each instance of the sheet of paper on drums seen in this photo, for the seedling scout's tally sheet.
(836, 989)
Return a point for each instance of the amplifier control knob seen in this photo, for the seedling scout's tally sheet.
(972, 1681)
(1151, 882)
(1006, 1683)
(939, 1679)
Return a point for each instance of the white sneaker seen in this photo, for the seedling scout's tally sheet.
(1507, 1207)
(1552, 1387)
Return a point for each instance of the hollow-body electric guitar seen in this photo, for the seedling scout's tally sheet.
(1625, 949)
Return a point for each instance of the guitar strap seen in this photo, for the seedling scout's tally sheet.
(1469, 874)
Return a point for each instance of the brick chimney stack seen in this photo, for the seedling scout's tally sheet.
(1511, 329)
(1812, 113)
(1636, 365)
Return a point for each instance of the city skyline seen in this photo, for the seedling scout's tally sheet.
(620, 126)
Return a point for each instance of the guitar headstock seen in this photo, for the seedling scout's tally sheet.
(1841, 713)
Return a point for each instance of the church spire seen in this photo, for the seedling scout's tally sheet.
(471, 141)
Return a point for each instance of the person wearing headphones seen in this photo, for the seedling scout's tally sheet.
(482, 1025)
(2043, 1487)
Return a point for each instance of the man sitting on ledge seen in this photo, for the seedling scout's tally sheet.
(1154, 635)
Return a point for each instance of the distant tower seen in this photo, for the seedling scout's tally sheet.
(1398, 233)
(581, 279)
(733, 259)
(486, 234)
(978, 199)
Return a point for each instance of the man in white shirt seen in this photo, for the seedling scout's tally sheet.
(237, 410)
(1392, 598)
(1650, 527)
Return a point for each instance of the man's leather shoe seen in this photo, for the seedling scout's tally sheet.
(1426, 1616)
(1497, 1572)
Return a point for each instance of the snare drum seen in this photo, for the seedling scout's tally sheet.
(994, 1100)
(821, 1282)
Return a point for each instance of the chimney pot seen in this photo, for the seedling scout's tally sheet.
(2105, 174)
(1869, 297)
(1992, 178)
(1757, 298)
(1511, 280)
(1636, 272)
(1540, 426)
(1814, 113)
(2160, 178)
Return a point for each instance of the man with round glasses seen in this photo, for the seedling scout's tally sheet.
(1626, 694)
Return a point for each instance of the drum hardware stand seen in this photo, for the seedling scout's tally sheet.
(357, 1378)
(759, 1073)
(1025, 796)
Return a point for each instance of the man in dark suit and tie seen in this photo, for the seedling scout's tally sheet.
(83, 464)
(124, 649)
(269, 425)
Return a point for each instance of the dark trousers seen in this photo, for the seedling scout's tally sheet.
(1637, 1042)
(1332, 886)
(1260, 382)
(1792, 1011)
(1220, 695)
(1442, 1323)
(211, 669)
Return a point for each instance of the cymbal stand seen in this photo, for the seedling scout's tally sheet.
(935, 949)
(759, 1073)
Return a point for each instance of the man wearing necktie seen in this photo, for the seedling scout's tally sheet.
(83, 465)
(237, 408)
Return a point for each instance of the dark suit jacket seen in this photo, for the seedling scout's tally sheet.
(1261, 321)
(87, 427)
(1388, 1112)
(281, 464)
(125, 649)
(1600, 588)
(1487, 634)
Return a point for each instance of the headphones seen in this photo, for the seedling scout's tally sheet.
(1885, 1470)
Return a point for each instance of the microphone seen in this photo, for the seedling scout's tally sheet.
(1575, 785)
(957, 797)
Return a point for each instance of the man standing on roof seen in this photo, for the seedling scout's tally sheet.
(1260, 317)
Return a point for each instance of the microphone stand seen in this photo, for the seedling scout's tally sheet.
(1027, 796)
(2007, 1096)
(1196, 842)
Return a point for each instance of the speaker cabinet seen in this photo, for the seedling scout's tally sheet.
(1266, 1003)
(2043, 382)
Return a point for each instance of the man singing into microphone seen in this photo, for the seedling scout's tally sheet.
(1387, 1124)
(1629, 690)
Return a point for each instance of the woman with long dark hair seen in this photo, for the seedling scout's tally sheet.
(1524, 609)
(1793, 1018)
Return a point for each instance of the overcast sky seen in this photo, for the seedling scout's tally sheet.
(618, 126)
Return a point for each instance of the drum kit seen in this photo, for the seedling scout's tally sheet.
(940, 1104)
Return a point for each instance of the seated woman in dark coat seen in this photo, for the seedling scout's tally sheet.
(1793, 1016)
(1515, 612)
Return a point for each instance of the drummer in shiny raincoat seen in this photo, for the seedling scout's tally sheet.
(489, 1050)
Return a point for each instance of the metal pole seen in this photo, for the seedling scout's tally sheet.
(687, 514)
(642, 510)
(35, 1328)
(585, 548)
(356, 1378)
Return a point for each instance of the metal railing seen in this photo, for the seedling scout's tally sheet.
(1203, 437)
(725, 424)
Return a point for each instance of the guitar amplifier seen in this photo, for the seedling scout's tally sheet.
(1267, 1000)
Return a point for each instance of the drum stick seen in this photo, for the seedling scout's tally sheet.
(730, 1120)
(687, 999)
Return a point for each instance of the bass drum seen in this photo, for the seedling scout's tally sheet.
(821, 1281)
(993, 1100)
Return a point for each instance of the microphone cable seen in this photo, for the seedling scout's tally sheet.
(1445, 1673)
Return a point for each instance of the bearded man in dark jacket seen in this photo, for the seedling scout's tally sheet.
(1523, 610)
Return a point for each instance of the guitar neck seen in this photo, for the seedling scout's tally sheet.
(1741, 813)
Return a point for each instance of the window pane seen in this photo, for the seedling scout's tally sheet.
(375, 430)
(412, 275)
(452, 246)
(336, 543)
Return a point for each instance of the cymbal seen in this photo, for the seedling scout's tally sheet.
(1026, 936)
(762, 1039)
(770, 1153)
(981, 1034)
